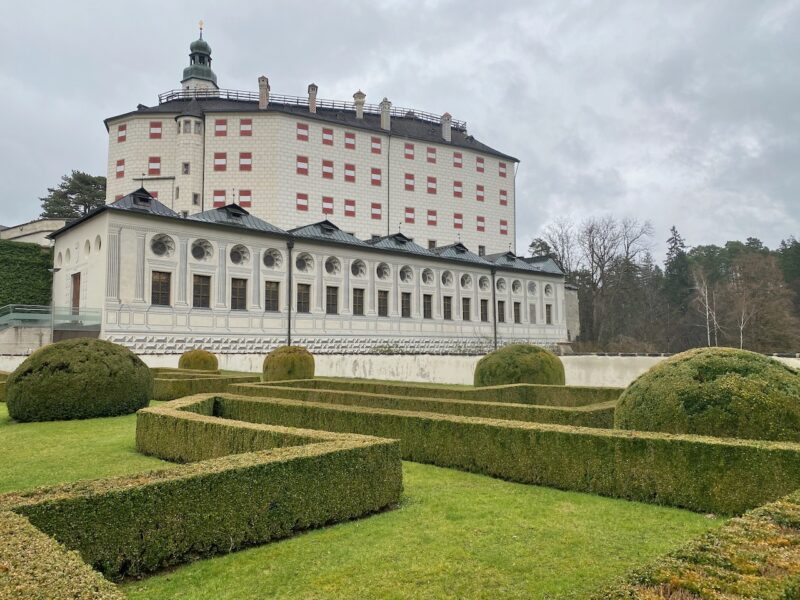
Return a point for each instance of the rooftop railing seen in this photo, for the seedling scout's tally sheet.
(245, 96)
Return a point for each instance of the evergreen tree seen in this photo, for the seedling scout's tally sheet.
(76, 195)
(677, 275)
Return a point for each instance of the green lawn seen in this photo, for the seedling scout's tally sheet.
(456, 535)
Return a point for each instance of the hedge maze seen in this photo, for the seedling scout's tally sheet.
(169, 384)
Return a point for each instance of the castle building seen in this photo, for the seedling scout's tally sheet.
(238, 222)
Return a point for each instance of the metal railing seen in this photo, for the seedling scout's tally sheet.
(58, 318)
(245, 96)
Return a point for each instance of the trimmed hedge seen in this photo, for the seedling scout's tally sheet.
(78, 379)
(724, 392)
(35, 566)
(198, 359)
(172, 386)
(595, 415)
(156, 371)
(25, 276)
(702, 474)
(288, 362)
(754, 556)
(519, 363)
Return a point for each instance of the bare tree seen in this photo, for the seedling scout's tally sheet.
(599, 241)
(706, 299)
(635, 238)
(562, 239)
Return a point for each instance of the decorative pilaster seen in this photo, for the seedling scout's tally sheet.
(112, 265)
(139, 288)
(183, 270)
(256, 285)
(345, 309)
(320, 291)
(222, 277)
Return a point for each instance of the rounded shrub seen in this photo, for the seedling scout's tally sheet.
(288, 362)
(519, 363)
(78, 379)
(198, 359)
(722, 392)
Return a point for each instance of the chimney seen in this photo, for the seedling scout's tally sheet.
(312, 98)
(358, 99)
(447, 125)
(386, 119)
(263, 93)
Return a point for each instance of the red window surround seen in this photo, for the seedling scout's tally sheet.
(302, 202)
(503, 198)
(302, 165)
(220, 161)
(327, 205)
(503, 227)
(502, 168)
(350, 173)
(375, 176)
(349, 208)
(154, 165)
(245, 198)
(409, 151)
(458, 160)
(458, 221)
(220, 127)
(479, 163)
(302, 132)
(349, 140)
(327, 169)
(245, 161)
(246, 127)
(458, 189)
(480, 196)
(377, 211)
(122, 133)
(155, 130)
(431, 217)
(375, 144)
(120, 168)
(480, 223)
(154, 195)
(410, 214)
(219, 198)
(327, 136)
(431, 154)
(431, 185)
(118, 197)
(409, 181)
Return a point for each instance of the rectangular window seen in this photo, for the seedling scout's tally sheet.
(160, 288)
(481, 250)
(327, 205)
(375, 176)
(120, 168)
(349, 208)
(331, 300)
(220, 161)
(447, 308)
(377, 211)
(432, 217)
(302, 165)
(185, 168)
(431, 244)
(375, 145)
(405, 305)
(479, 164)
(154, 165)
(201, 291)
(503, 227)
(238, 294)
(195, 199)
(327, 169)
(302, 202)
(219, 198)
(480, 195)
(485, 311)
(532, 313)
(303, 297)
(501, 311)
(458, 160)
(408, 151)
(272, 296)
(246, 127)
(466, 309)
(245, 161)
(409, 214)
(503, 198)
(502, 169)
(409, 182)
(458, 189)
(155, 130)
(431, 185)
(358, 302)
(302, 132)
(383, 303)
(480, 223)
(458, 221)
(349, 140)
(548, 314)
(327, 136)
(427, 306)
(177, 192)
(122, 133)
(245, 198)
(220, 127)
(350, 173)
(517, 312)
(431, 155)
(198, 127)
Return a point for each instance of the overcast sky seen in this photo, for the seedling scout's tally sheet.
(684, 113)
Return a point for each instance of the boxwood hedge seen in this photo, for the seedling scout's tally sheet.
(519, 363)
(199, 359)
(169, 386)
(288, 362)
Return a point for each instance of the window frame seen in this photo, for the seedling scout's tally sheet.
(167, 275)
(238, 293)
(272, 296)
(206, 295)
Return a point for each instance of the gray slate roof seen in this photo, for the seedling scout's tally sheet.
(510, 260)
(459, 251)
(397, 242)
(235, 216)
(142, 201)
(325, 231)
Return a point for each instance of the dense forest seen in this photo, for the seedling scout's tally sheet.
(742, 294)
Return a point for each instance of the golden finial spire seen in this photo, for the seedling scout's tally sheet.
(200, 25)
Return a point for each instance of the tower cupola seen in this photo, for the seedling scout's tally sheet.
(198, 75)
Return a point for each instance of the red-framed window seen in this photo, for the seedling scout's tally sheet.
(122, 133)
(302, 132)
(432, 218)
(302, 165)
(154, 165)
(220, 127)
(410, 214)
(301, 202)
(409, 182)
(375, 145)
(245, 161)
(245, 198)
(327, 205)
(480, 223)
(120, 168)
(350, 173)
(458, 189)
(375, 176)
(246, 127)
(502, 169)
(219, 198)
(155, 130)
(431, 185)
(458, 160)
(349, 140)
(327, 169)
(408, 151)
(458, 221)
(376, 211)
(349, 208)
(327, 136)
(479, 164)
(503, 227)
(431, 155)
(480, 194)
(220, 161)
(503, 198)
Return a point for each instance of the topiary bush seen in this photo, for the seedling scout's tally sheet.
(288, 362)
(198, 359)
(78, 379)
(519, 363)
(721, 392)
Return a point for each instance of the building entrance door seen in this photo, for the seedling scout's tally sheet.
(76, 293)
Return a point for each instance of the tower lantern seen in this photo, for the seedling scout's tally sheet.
(198, 75)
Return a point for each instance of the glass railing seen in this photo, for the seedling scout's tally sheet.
(59, 317)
